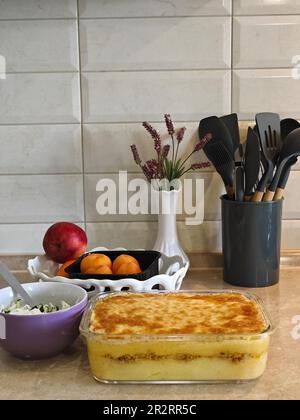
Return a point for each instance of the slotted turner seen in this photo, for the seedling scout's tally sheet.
(268, 125)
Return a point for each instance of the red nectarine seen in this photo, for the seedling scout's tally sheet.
(64, 241)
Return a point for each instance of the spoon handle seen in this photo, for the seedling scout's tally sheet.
(269, 196)
(15, 285)
(279, 194)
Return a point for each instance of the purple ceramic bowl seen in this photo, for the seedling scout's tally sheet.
(46, 335)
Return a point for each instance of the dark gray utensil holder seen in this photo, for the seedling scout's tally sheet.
(251, 234)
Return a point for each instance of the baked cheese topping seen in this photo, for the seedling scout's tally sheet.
(177, 313)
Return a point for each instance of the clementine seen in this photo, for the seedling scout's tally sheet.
(93, 261)
(102, 269)
(123, 259)
(61, 272)
(129, 268)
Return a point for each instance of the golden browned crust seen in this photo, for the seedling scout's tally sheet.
(177, 313)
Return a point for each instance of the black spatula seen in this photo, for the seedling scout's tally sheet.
(232, 123)
(222, 160)
(218, 130)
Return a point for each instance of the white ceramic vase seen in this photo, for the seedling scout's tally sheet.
(167, 238)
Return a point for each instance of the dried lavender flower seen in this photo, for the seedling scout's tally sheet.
(201, 143)
(153, 168)
(180, 134)
(146, 172)
(165, 151)
(155, 135)
(169, 124)
(201, 165)
(136, 155)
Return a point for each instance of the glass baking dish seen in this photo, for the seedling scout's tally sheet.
(177, 358)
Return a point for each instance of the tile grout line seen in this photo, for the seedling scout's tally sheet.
(81, 115)
(151, 220)
(232, 45)
(149, 70)
(60, 174)
(146, 17)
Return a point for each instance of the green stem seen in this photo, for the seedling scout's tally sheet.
(173, 150)
(185, 172)
(177, 151)
(182, 164)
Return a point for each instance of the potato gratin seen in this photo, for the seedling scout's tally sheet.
(177, 337)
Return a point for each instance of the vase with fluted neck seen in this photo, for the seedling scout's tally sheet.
(167, 242)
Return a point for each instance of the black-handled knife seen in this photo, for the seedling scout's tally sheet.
(239, 174)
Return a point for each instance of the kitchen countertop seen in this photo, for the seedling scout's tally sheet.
(68, 377)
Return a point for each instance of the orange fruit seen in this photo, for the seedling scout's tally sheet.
(129, 268)
(93, 261)
(123, 259)
(61, 272)
(102, 269)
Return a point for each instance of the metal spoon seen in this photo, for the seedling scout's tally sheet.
(15, 285)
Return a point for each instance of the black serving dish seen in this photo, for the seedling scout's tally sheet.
(148, 260)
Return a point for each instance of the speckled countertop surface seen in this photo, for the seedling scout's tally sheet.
(68, 376)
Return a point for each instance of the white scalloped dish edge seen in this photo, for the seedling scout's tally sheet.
(172, 273)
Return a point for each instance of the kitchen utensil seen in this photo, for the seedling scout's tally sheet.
(223, 161)
(15, 285)
(232, 123)
(284, 178)
(48, 334)
(239, 183)
(218, 130)
(252, 163)
(290, 149)
(239, 174)
(268, 125)
(287, 126)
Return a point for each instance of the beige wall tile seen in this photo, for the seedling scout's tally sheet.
(39, 98)
(36, 9)
(139, 96)
(39, 45)
(40, 149)
(263, 7)
(41, 198)
(265, 41)
(144, 44)
(265, 90)
(138, 8)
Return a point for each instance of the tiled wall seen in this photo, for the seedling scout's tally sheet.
(82, 76)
